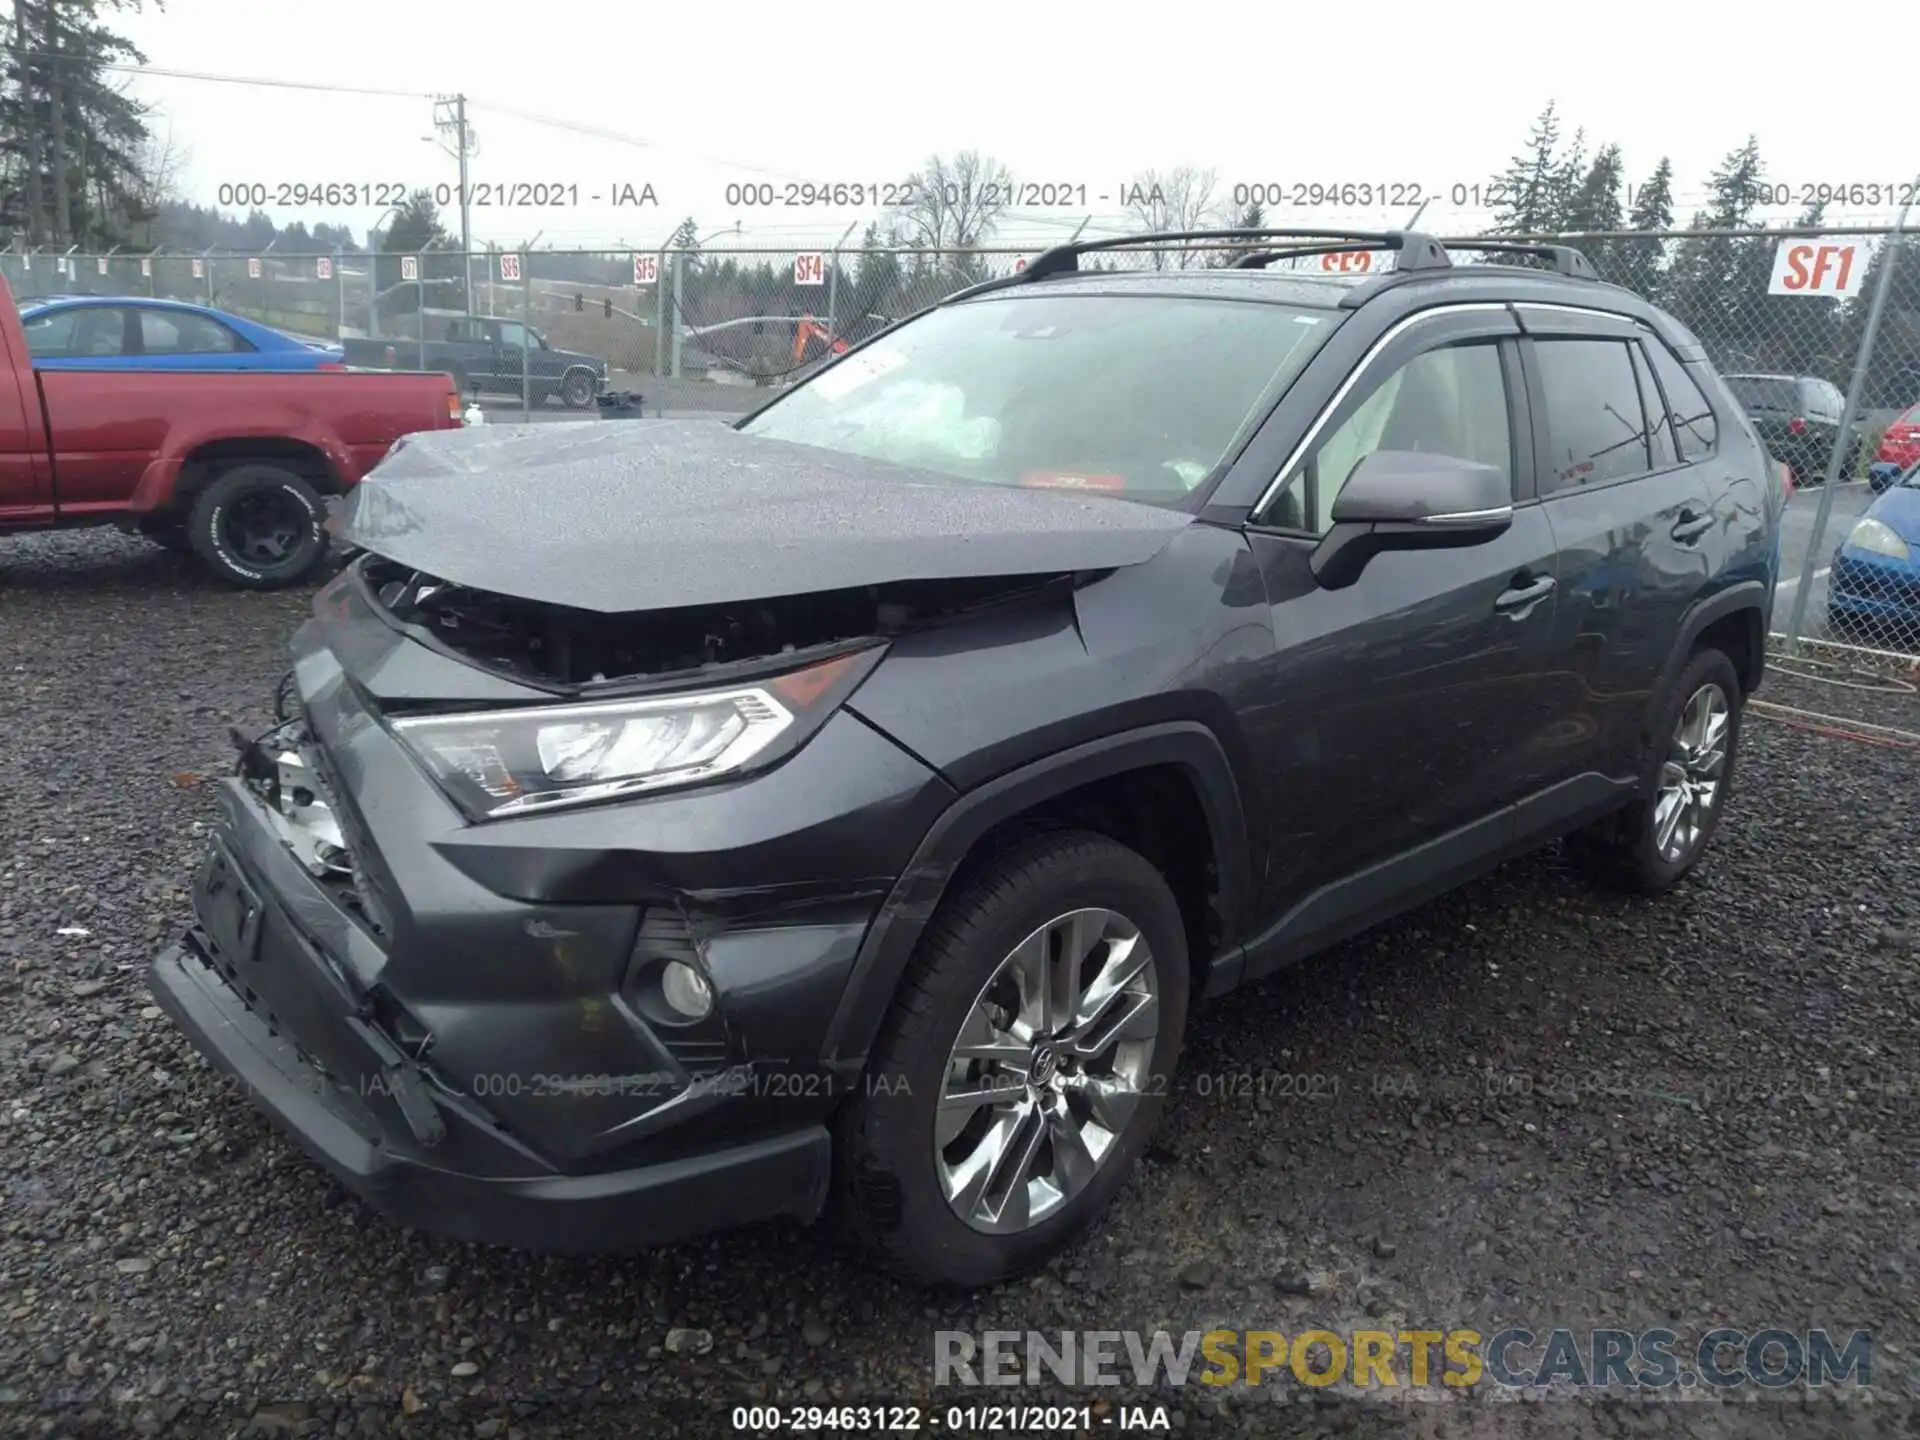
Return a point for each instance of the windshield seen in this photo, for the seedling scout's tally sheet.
(1756, 393)
(1139, 395)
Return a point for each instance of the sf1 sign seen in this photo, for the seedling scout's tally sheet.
(646, 269)
(1831, 266)
(810, 269)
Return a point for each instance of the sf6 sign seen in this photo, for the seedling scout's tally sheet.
(1832, 266)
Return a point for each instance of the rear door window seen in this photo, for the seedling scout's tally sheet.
(181, 332)
(1596, 431)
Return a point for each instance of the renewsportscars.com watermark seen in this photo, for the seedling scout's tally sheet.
(1385, 1360)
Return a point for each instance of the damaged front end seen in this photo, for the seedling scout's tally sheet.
(565, 649)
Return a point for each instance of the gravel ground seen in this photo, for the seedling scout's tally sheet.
(1531, 1103)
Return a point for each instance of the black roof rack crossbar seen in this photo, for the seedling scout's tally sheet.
(1417, 252)
(1260, 259)
(1566, 260)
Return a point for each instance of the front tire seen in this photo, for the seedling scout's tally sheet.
(577, 390)
(259, 526)
(1655, 841)
(1023, 1065)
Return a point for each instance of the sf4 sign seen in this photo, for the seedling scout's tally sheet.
(1347, 262)
(1834, 266)
(646, 269)
(810, 269)
(509, 265)
(409, 267)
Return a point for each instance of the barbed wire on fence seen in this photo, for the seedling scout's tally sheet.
(708, 326)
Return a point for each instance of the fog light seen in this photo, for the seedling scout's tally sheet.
(686, 990)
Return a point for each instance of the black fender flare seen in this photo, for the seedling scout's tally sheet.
(1750, 595)
(901, 919)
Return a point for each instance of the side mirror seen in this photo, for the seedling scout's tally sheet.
(1408, 500)
(1881, 475)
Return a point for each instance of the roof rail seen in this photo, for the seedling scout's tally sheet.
(1417, 252)
(1413, 251)
(1566, 260)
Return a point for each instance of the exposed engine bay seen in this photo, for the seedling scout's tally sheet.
(554, 645)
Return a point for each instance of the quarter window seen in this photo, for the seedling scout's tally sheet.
(1662, 430)
(1693, 420)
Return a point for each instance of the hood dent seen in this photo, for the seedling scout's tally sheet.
(659, 514)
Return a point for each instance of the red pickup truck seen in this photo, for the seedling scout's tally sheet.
(233, 466)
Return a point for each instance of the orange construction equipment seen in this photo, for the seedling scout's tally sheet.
(810, 329)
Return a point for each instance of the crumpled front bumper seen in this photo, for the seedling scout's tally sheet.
(600, 1212)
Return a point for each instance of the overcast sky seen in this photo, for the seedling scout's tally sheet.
(693, 98)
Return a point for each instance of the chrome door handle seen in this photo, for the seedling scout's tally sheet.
(1520, 597)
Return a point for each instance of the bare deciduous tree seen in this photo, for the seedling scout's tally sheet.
(1179, 199)
(956, 203)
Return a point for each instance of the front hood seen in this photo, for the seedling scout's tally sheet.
(655, 514)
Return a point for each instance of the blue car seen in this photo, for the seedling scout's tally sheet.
(1874, 587)
(119, 332)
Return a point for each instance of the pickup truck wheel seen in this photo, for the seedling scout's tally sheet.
(1023, 1066)
(577, 390)
(259, 527)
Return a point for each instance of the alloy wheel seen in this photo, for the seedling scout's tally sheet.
(1049, 1066)
(1692, 774)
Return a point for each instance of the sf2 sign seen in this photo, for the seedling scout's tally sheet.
(1832, 266)
(1348, 262)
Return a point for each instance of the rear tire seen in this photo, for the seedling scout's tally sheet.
(258, 526)
(1649, 847)
(1103, 902)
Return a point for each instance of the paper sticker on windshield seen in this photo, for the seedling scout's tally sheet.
(857, 370)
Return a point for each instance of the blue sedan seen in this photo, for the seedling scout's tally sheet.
(1874, 589)
(115, 332)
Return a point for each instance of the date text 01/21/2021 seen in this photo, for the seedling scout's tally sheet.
(485, 194)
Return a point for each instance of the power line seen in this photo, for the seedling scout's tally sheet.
(263, 81)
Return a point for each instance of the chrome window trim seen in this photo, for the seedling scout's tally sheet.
(1359, 373)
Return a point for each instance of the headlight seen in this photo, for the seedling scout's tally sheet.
(1876, 537)
(509, 762)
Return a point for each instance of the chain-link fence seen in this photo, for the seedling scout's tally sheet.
(1818, 332)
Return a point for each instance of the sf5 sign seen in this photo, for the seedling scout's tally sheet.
(1833, 266)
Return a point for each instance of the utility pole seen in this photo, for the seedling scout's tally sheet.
(451, 116)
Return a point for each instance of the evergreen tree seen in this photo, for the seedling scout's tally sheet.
(1643, 262)
(1525, 192)
(1593, 208)
(70, 138)
(1717, 283)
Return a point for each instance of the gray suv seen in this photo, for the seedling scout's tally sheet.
(676, 824)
